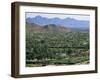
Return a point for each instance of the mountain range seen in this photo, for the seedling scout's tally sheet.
(66, 22)
(49, 28)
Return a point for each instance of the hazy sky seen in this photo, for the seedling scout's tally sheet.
(62, 16)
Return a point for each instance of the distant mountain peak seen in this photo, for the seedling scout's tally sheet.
(56, 21)
(38, 16)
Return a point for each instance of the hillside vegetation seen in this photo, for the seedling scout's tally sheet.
(56, 45)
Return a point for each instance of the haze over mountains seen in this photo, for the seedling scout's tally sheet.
(66, 22)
